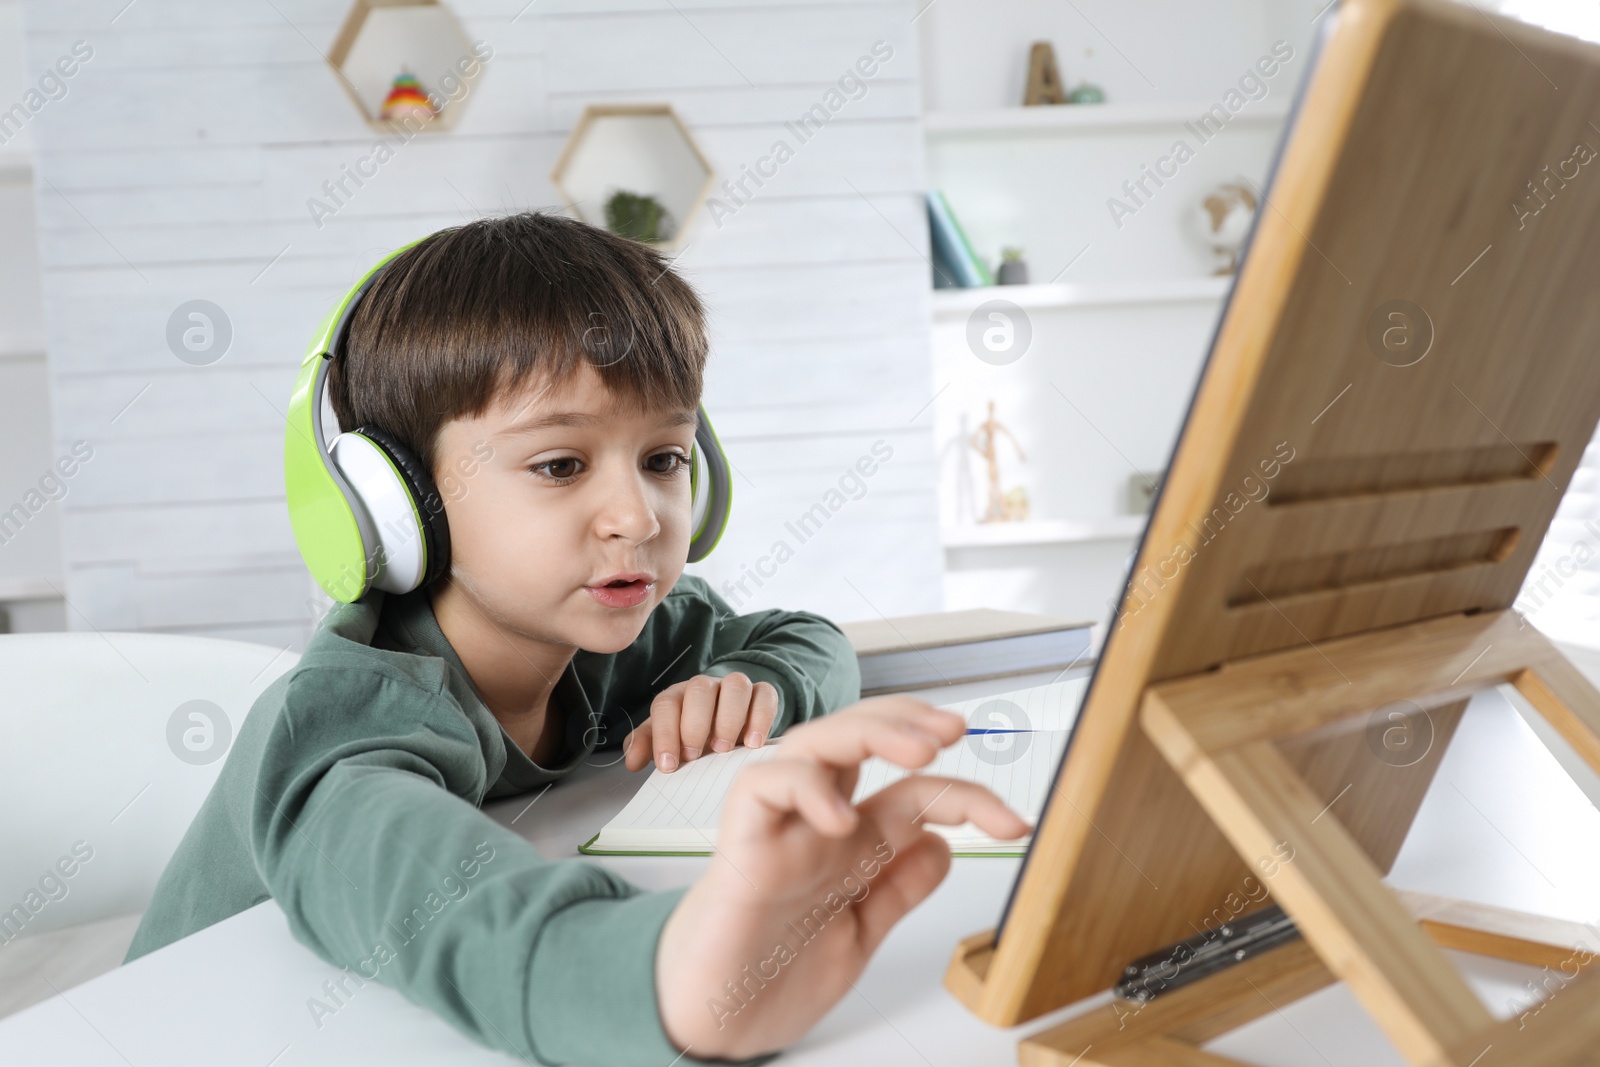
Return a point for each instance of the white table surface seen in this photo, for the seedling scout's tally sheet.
(1502, 824)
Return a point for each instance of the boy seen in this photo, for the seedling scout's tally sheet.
(352, 795)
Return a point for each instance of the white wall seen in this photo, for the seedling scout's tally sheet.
(30, 516)
(30, 539)
(178, 167)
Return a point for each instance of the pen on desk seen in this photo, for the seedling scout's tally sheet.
(1010, 730)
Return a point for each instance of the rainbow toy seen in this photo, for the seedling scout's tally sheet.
(406, 100)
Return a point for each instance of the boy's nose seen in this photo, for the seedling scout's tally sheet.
(626, 509)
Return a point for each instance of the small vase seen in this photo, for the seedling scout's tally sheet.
(1013, 272)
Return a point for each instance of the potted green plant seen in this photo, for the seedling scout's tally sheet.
(638, 216)
(1013, 269)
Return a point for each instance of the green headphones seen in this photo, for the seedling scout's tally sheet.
(365, 511)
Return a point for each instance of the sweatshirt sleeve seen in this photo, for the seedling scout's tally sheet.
(805, 656)
(361, 829)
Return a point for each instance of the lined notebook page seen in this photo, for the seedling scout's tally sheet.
(691, 796)
(1044, 707)
(681, 810)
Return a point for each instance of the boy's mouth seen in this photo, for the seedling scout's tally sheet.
(623, 590)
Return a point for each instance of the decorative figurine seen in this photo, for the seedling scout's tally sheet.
(1223, 221)
(1044, 80)
(1014, 505)
(966, 504)
(1011, 506)
(407, 100)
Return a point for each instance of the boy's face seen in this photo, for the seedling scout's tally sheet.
(541, 513)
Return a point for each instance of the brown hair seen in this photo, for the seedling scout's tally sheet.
(480, 307)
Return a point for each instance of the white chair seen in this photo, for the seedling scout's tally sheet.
(109, 742)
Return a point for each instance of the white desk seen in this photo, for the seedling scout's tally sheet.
(1502, 824)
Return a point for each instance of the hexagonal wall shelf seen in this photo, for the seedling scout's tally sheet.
(383, 39)
(636, 150)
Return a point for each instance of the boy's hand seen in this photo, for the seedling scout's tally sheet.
(700, 714)
(803, 886)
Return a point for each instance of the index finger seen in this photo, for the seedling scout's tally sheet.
(901, 729)
(925, 798)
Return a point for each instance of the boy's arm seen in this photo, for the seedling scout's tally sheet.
(362, 832)
(805, 656)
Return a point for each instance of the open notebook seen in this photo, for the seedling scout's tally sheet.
(678, 813)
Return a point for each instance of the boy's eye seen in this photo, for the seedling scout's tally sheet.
(564, 469)
(679, 462)
(556, 469)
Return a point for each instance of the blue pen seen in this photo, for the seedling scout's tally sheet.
(985, 730)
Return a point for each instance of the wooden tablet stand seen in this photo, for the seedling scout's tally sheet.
(1219, 731)
(1403, 382)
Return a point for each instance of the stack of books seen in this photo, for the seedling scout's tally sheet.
(945, 647)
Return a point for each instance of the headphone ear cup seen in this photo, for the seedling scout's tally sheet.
(425, 498)
(712, 493)
(697, 488)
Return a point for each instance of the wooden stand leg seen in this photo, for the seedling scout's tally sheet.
(1485, 930)
(1168, 1031)
(1337, 898)
(1124, 1033)
(1568, 702)
(1220, 731)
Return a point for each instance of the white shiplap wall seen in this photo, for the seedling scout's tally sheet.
(178, 166)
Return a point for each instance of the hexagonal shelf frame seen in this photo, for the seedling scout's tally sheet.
(639, 148)
(382, 38)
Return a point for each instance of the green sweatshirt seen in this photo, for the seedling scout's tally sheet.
(352, 797)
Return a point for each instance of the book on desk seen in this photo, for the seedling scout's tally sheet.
(946, 647)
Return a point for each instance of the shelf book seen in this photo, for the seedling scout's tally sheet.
(951, 247)
(1015, 740)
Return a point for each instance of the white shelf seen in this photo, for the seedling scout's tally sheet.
(1068, 118)
(1042, 532)
(959, 303)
